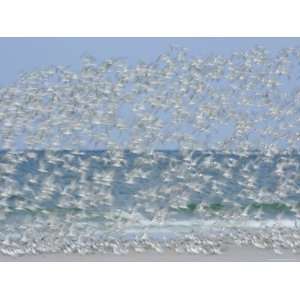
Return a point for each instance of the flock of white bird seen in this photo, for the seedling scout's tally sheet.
(200, 147)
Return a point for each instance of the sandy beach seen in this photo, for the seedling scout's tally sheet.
(232, 255)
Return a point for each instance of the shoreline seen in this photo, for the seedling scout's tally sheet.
(232, 255)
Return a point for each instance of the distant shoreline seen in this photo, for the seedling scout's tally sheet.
(232, 255)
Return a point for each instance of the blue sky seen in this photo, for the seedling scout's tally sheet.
(25, 54)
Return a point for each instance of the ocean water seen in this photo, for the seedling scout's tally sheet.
(106, 201)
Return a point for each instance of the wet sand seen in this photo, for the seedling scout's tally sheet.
(232, 255)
